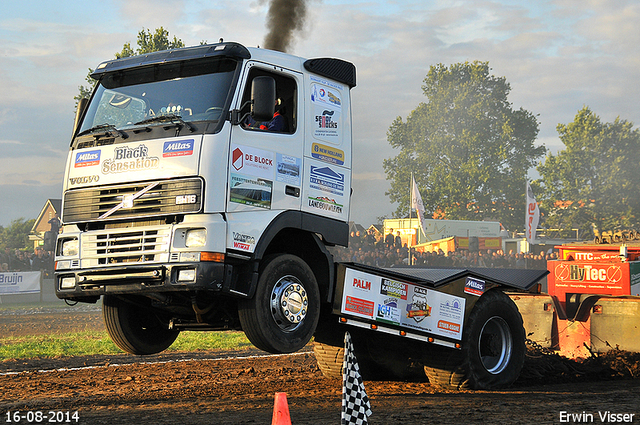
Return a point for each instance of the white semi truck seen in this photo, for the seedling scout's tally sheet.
(203, 188)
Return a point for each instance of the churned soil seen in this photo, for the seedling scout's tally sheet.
(211, 387)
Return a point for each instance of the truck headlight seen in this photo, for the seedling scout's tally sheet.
(68, 282)
(69, 248)
(186, 275)
(195, 238)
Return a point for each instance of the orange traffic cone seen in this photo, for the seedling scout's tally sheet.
(281, 410)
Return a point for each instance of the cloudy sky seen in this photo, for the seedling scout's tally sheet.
(557, 55)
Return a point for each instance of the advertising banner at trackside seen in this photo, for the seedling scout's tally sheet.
(587, 277)
(19, 283)
(403, 304)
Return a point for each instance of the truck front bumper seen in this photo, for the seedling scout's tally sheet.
(140, 279)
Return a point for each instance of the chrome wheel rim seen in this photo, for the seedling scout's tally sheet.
(289, 302)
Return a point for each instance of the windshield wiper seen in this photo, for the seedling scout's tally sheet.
(105, 129)
(172, 119)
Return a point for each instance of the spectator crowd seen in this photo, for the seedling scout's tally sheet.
(363, 248)
(15, 260)
(390, 251)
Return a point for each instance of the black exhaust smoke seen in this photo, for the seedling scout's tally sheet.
(284, 19)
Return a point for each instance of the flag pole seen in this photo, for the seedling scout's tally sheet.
(417, 203)
(410, 217)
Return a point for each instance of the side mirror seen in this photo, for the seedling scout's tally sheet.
(263, 98)
(82, 105)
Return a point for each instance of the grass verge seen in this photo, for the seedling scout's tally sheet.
(89, 343)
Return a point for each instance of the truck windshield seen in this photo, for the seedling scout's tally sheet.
(193, 91)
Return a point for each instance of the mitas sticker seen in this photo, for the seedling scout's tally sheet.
(474, 286)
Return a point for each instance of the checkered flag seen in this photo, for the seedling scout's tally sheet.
(355, 403)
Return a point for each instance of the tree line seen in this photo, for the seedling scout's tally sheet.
(16, 235)
(470, 152)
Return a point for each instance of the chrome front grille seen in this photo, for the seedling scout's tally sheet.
(120, 246)
(133, 200)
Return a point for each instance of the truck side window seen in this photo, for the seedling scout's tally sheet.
(285, 117)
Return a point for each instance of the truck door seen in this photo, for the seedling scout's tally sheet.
(265, 164)
(327, 165)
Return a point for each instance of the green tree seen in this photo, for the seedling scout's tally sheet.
(594, 180)
(147, 42)
(469, 150)
(16, 235)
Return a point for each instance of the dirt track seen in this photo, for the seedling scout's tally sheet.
(198, 389)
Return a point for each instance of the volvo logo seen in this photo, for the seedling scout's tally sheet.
(127, 200)
(84, 180)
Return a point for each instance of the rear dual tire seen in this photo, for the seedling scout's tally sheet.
(493, 348)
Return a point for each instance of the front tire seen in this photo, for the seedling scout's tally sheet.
(492, 352)
(134, 328)
(283, 314)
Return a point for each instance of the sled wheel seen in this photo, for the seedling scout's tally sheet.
(385, 357)
(330, 359)
(134, 328)
(493, 348)
(442, 368)
(373, 365)
(283, 314)
(328, 344)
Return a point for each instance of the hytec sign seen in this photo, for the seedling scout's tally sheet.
(574, 277)
(588, 272)
(593, 273)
